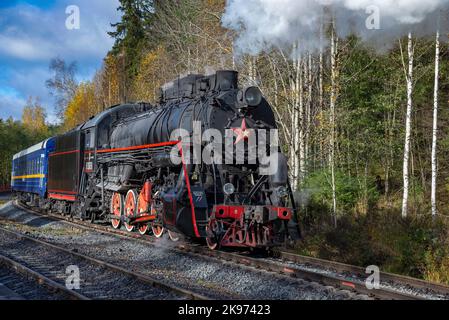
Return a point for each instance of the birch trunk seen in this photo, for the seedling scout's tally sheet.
(251, 76)
(254, 65)
(320, 80)
(298, 119)
(292, 158)
(301, 127)
(295, 130)
(233, 55)
(308, 114)
(333, 97)
(320, 98)
(408, 123)
(435, 126)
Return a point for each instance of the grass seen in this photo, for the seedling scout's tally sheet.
(417, 246)
(40, 230)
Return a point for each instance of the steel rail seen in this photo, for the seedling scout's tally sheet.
(308, 275)
(292, 271)
(40, 278)
(139, 276)
(347, 268)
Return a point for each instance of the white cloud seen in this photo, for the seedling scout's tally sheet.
(11, 105)
(30, 36)
(26, 82)
(24, 49)
(33, 34)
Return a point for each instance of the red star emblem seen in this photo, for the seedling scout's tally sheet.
(242, 132)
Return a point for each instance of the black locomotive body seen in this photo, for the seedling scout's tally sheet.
(130, 166)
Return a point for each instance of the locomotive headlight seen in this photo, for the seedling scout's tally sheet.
(253, 96)
(228, 189)
(250, 97)
(281, 192)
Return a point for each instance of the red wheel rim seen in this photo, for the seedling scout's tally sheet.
(173, 236)
(142, 206)
(130, 208)
(158, 230)
(211, 244)
(143, 229)
(210, 238)
(116, 209)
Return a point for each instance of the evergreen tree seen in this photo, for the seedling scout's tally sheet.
(130, 35)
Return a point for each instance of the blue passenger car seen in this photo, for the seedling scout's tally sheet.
(30, 168)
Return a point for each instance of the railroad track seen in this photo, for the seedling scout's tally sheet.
(101, 280)
(387, 278)
(344, 277)
(18, 282)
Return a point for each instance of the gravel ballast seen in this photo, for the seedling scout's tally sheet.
(209, 277)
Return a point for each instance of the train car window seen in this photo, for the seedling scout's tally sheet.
(103, 132)
(87, 140)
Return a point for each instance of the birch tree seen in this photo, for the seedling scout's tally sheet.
(333, 98)
(62, 85)
(435, 124)
(408, 122)
(297, 118)
(301, 127)
(320, 94)
(308, 116)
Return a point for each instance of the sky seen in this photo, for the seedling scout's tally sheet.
(32, 32)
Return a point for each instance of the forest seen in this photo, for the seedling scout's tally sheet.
(365, 130)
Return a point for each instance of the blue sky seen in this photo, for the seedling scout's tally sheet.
(32, 32)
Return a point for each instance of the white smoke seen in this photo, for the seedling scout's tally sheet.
(263, 24)
(401, 11)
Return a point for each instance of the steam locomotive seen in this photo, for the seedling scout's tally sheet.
(128, 166)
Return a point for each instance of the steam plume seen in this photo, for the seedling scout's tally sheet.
(263, 24)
